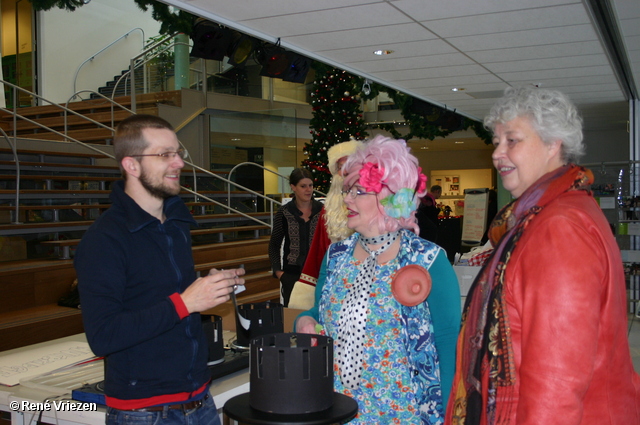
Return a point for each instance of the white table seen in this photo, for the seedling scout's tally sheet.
(222, 389)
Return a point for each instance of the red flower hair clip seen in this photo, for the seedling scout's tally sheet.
(371, 177)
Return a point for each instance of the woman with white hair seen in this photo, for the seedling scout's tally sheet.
(544, 338)
(389, 299)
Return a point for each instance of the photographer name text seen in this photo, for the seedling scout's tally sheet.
(55, 405)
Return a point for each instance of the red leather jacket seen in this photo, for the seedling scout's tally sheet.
(567, 307)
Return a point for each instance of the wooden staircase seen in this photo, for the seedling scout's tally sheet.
(79, 127)
(61, 195)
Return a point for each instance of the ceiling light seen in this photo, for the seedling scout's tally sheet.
(457, 89)
(382, 52)
(425, 147)
(458, 143)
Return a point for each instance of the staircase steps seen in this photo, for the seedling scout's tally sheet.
(79, 128)
(31, 288)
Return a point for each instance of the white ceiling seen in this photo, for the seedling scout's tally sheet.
(481, 46)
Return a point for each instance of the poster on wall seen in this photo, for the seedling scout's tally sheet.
(451, 186)
(475, 215)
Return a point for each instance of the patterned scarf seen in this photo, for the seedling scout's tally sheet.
(350, 344)
(484, 358)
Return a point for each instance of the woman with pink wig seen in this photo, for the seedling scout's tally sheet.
(389, 299)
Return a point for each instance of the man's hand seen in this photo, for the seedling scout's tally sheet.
(211, 290)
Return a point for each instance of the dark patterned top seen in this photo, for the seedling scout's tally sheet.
(288, 226)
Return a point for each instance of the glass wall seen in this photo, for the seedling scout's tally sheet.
(245, 80)
(267, 138)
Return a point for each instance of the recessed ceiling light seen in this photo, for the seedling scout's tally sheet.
(425, 147)
(235, 140)
(457, 89)
(458, 143)
(382, 52)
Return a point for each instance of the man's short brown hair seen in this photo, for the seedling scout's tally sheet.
(129, 140)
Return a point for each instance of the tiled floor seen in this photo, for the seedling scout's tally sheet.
(634, 340)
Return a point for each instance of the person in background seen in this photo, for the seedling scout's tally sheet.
(428, 213)
(138, 288)
(332, 226)
(294, 225)
(544, 336)
(394, 356)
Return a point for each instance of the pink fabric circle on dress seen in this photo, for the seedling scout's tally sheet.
(411, 285)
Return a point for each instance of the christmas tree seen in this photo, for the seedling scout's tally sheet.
(337, 117)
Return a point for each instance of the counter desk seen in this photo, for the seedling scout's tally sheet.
(21, 401)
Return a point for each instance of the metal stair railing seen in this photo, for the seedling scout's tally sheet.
(64, 109)
(228, 181)
(141, 60)
(15, 115)
(229, 208)
(17, 161)
(112, 103)
(90, 59)
(282, 176)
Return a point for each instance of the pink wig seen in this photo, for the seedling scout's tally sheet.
(399, 170)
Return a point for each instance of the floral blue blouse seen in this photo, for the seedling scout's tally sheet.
(403, 372)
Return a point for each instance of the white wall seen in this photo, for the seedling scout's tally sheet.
(66, 39)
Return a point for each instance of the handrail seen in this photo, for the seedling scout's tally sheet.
(144, 62)
(135, 62)
(112, 104)
(238, 186)
(264, 169)
(184, 188)
(71, 139)
(63, 108)
(75, 78)
(15, 115)
(16, 219)
(132, 61)
(180, 127)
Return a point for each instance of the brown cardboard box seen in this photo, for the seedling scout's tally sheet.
(12, 248)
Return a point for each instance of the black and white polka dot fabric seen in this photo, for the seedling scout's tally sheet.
(353, 316)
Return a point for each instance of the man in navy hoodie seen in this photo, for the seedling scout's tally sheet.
(141, 301)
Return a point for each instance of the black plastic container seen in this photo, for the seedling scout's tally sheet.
(212, 327)
(291, 373)
(266, 318)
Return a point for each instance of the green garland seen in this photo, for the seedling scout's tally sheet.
(170, 22)
(420, 126)
(70, 5)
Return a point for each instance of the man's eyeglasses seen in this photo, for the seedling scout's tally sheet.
(183, 154)
(353, 192)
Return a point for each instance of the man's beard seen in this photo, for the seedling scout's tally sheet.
(158, 191)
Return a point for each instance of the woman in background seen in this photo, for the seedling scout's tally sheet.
(544, 336)
(332, 226)
(395, 356)
(294, 225)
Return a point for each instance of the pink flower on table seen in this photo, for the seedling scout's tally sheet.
(371, 177)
